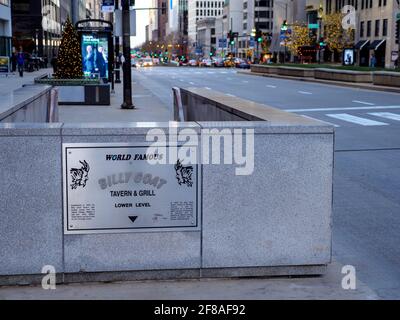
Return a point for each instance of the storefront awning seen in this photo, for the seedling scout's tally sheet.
(361, 44)
(376, 44)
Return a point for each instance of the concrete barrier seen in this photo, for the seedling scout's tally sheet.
(284, 71)
(275, 221)
(90, 94)
(343, 75)
(259, 68)
(296, 72)
(383, 78)
(32, 103)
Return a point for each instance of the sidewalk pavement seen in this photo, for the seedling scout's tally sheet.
(326, 287)
(358, 85)
(14, 81)
(148, 109)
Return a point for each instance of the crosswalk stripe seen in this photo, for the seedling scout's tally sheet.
(305, 92)
(363, 102)
(386, 115)
(358, 120)
(332, 124)
(342, 109)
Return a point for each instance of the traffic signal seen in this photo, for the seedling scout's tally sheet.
(322, 42)
(231, 38)
(259, 36)
(284, 26)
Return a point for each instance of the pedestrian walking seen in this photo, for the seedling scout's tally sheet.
(21, 62)
(373, 61)
(54, 64)
(14, 61)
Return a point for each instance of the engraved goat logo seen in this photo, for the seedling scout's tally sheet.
(80, 176)
(184, 174)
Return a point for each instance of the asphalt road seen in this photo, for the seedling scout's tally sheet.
(366, 219)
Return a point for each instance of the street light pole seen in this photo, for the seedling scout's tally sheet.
(286, 16)
(117, 61)
(126, 43)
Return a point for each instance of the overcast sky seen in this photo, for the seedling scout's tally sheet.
(142, 19)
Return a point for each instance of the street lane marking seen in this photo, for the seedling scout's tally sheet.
(208, 88)
(358, 120)
(271, 86)
(192, 83)
(230, 95)
(245, 81)
(304, 92)
(386, 115)
(228, 78)
(332, 124)
(363, 102)
(181, 80)
(343, 109)
(141, 96)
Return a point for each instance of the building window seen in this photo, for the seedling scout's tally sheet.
(385, 28)
(369, 24)
(362, 25)
(377, 27)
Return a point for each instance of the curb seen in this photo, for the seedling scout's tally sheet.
(334, 83)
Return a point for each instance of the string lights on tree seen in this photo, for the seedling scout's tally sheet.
(336, 37)
(69, 60)
(298, 38)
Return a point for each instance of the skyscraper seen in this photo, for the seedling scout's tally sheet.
(198, 10)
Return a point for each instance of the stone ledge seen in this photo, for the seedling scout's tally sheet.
(182, 274)
(391, 79)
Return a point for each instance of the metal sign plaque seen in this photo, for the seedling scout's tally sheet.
(112, 188)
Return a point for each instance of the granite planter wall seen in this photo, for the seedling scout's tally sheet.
(90, 94)
(259, 68)
(296, 72)
(274, 221)
(33, 103)
(343, 75)
(386, 79)
(78, 91)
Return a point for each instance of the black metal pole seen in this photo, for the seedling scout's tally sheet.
(117, 60)
(126, 43)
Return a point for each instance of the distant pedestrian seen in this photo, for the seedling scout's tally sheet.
(14, 61)
(373, 61)
(21, 62)
(54, 64)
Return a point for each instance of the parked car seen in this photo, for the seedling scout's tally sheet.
(243, 64)
(206, 63)
(146, 62)
(228, 62)
(184, 62)
(193, 63)
(219, 62)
